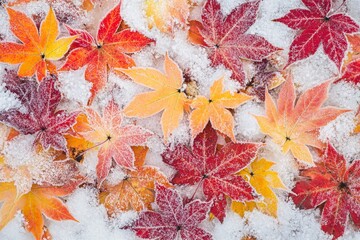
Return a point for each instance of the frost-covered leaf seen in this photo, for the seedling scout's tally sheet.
(166, 14)
(109, 50)
(168, 95)
(263, 180)
(37, 48)
(215, 110)
(41, 116)
(331, 184)
(318, 24)
(40, 200)
(351, 72)
(214, 170)
(114, 140)
(136, 190)
(294, 124)
(225, 38)
(173, 219)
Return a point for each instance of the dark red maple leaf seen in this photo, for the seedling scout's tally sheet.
(109, 50)
(225, 38)
(173, 218)
(318, 24)
(215, 171)
(337, 188)
(40, 117)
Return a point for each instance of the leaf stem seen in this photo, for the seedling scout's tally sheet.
(99, 144)
(197, 187)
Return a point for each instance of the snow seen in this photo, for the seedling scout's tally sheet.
(71, 80)
(93, 222)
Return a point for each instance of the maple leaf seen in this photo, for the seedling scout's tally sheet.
(41, 117)
(335, 187)
(168, 95)
(352, 72)
(114, 140)
(37, 48)
(76, 143)
(351, 67)
(214, 170)
(225, 38)
(166, 14)
(263, 180)
(173, 218)
(40, 200)
(215, 110)
(294, 124)
(318, 24)
(109, 50)
(136, 190)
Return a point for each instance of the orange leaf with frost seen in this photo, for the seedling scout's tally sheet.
(215, 110)
(41, 200)
(37, 48)
(136, 190)
(294, 123)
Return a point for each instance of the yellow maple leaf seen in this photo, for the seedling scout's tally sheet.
(37, 48)
(136, 190)
(167, 96)
(263, 180)
(294, 124)
(216, 110)
(165, 14)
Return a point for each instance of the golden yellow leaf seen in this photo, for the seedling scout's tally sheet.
(263, 180)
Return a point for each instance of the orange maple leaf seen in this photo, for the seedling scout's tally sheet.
(40, 200)
(109, 50)
(136, 190)
(37, 48)
(167, 96)
(165, 14)
(215, 110)
(294, 124)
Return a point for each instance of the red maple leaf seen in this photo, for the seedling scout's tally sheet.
(40, 117)
(109, 50)
(352, 72)
(331, 184)
(215, 171)
(225, 38)
(173, 218)
(318, 24)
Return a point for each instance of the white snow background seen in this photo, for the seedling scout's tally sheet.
(291, 223)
